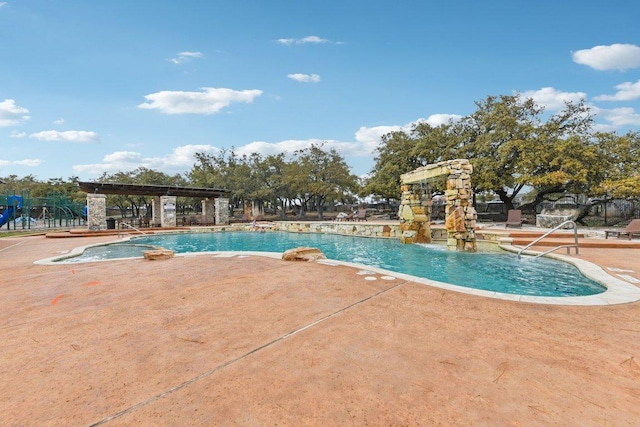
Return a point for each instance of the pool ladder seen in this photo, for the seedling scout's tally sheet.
(574, 245)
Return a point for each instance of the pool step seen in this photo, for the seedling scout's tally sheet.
(523, 237)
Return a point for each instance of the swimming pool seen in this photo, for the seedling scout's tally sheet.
(492, 270)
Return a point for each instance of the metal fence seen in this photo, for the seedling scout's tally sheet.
(604, 213)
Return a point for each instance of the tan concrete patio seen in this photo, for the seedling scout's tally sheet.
(203, 340)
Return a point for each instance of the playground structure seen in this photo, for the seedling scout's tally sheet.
(13, 203)
(55, 210)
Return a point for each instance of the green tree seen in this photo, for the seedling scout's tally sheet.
(143, 176)
(509, 143)
(270, 173)
(620, 160)
(402, 152)
(321, 176)
(225, 170)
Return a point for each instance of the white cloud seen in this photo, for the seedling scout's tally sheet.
(181, 157)
(186, 57)
(3, 4)
(209, 101)
(553, 99)
(123, 157)
(186, 153)
(287, 146)
(16, 134)
(66, 136)
(304, 78)
(11, 114)
(369, 138)
(366, 139)
(613, 57)
(179, 160)
(304, 40)
(60, 121)
(436, 120)
(627, 91)
(25, 162)
(619, 117)
(364, 144)
(28, 162)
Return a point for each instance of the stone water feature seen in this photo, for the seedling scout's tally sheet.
(415, 205)
(551, 218)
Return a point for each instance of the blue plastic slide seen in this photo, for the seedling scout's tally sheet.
(8, 213)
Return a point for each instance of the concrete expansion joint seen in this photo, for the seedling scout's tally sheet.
(239, 358)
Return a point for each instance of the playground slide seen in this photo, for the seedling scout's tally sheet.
(8, 213)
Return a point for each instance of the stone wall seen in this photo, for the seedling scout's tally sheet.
(343, 228)
(552, 221)
(551, 218)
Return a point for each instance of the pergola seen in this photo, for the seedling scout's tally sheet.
(152, 190)
(215, 203)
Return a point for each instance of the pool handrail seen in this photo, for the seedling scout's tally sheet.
(556, 228)
(132, 227)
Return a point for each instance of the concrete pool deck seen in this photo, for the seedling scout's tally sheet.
(204, 340)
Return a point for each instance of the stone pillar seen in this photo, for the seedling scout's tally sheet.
(168, 211)
(156, 209)
(208, 211)
(221, 211)
(96, 211)
(459, 212)
(415, 215)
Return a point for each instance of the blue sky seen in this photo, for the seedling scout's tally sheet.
(90, 86)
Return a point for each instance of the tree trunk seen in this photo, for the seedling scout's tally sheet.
(320, 207)
(585, 210)
(540, 197)
(505, 198)
(303, 210)
(283, 213)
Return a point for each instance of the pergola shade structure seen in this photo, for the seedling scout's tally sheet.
(152, 190)
(215, 201)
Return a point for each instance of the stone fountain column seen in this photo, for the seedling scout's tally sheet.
(459, 212)
(415, 213)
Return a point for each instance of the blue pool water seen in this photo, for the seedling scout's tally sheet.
(493, 270)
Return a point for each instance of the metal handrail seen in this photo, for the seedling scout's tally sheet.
(575, 236)
(132, 227)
